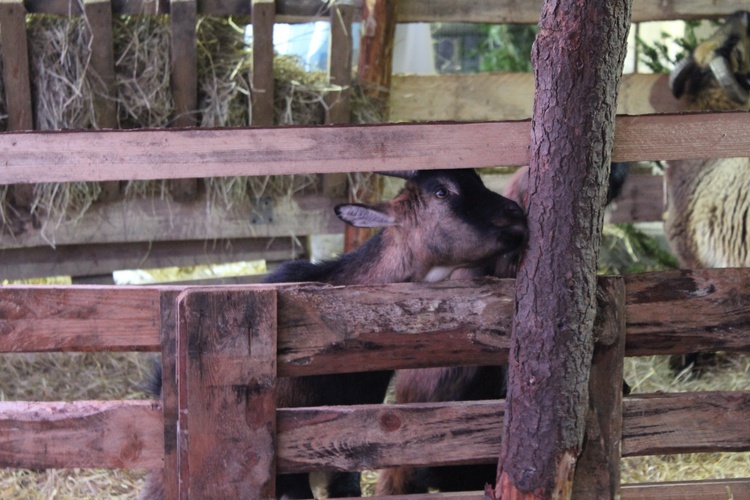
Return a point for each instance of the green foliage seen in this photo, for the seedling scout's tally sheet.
(506, 47)
(657, 57)
(626, 250)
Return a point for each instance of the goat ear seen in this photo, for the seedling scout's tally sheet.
(358, 215)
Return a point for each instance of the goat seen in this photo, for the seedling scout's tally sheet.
(441, 221)
(466, 383)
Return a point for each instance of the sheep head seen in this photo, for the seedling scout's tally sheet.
(716, 75)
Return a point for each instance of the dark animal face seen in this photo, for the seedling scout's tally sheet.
(446, 218)
(717, 73)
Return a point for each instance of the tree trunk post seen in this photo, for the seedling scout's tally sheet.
(578, 57)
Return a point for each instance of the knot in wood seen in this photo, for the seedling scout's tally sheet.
(389, 421)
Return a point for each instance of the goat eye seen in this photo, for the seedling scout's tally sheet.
(441, 193)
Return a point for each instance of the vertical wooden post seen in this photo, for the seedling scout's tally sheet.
(340, 62)
(99, 16)
(16, 79)
(598, 470)
(578, 57)
(226, 369)
(374, 66)
(184, 80)
(169, 398)
(264, 17)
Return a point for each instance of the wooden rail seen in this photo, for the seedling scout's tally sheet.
(177, 154)
(485, 11)
(407, 325)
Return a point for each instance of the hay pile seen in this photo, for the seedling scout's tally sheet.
(64, 89)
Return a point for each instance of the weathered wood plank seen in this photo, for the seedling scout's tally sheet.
(677, 312)
(91, 434)
(508, 96)
(505, 11)
(459, 322)
(720, 489)
(97, 259)
(163, 220)
(372, 436)
(453, 323)
(169, 391)
(661, 424)
(174, 154)
(597, 472)
(184, 80)
(15, 56)
(218, 331)
(262, 96)
(340, 62)
(387, 435)
(99, 15)
(81, 318)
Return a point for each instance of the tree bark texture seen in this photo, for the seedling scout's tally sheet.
(578, 57)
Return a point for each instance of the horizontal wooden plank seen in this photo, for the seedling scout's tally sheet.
(677, 312)
(485, 11)
(186, 153)
(98, 259)
(693, 422)
(721, 489)
(157, 220)
(85, 318)
(406, 324)
(447, 323)
(508, 96)
(88, 434)
(175, 154)
(357, 437)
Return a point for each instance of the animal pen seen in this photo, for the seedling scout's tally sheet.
(214, 339)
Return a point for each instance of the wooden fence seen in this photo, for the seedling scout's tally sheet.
(119, 235)
(291, 333)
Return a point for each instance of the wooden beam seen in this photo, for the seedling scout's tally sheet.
(113, 434)
(687, 311)
(15, 56)
(169, 395)
(667, 312)
(310, 438)
(714, 489)
(94, 259)
(484, 11)
(183, 20)
(158, 220)
(80, 318)
(99, 15)
(173, 154)
(262, 101)
(597, 472)
(508, 96)
(226, 340)
(340, 63)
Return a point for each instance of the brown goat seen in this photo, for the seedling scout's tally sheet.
(443, 220)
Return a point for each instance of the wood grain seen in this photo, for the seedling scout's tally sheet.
(99, 259)
(163, 220)
(505, 11)
(16, 80)
(454, 322)
(677, 312)
(91, 434)
(508, 96)
(218, 332)
(262, 96)
(175, 154)
(80, 318)
(597, 472)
